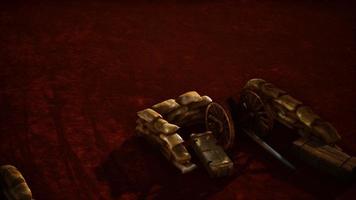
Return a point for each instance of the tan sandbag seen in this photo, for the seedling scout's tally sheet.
(180, 153)
(326, 132)
(165, 106)
(306, 115)
(206, 100)
(255, 83)
(21, 192)
(148, 115)
(186, 167)
(155, 140)
(15, 186)
(162, 126)
(10, 174)
(270, 91)
(189, 97)
(288, 102)
(175, 113)
(140, 121)
(142, 129)
(171, 140)
(192, 119)
(189, 114)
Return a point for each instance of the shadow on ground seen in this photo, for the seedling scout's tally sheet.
(139, 169)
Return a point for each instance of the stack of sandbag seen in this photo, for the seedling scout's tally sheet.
(317, 146)
(13, 184)
(187, 108)
(160, 123)
(292, 112)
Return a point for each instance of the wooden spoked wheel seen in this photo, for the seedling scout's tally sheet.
(253, 114)
(218, 121)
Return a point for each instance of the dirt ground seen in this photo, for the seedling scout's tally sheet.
(73, 76)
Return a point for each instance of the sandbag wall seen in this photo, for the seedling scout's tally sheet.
(292, 112)
(13, 184)
(160, 123)
(317, 146)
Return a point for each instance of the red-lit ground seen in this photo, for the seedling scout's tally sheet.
(73, 75)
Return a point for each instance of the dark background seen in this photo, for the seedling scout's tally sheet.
(73, 76)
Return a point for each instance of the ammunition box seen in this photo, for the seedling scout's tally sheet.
(212, 156)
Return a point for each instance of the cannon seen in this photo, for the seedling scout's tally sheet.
(261, 104)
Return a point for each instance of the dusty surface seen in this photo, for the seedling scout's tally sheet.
(73, 75)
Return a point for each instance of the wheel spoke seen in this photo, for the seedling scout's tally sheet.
(217, 121)
(254, 114)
